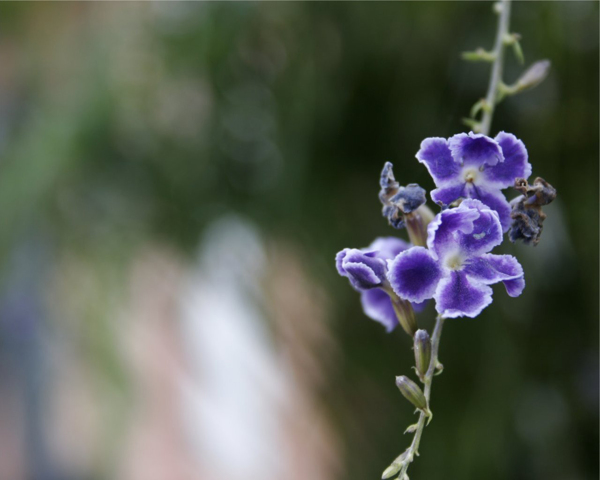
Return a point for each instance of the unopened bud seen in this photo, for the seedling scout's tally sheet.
(422, 348)
(405, 314)
(396, 466)
(390, 471)
(412, 392)
(533, 76)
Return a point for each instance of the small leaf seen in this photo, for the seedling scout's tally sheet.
(479, 55)
(518, 51)
(411, 428)
(474, 124)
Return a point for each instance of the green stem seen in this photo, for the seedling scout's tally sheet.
(496, 75)
(414, 446)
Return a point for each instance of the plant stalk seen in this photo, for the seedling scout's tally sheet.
(496, 75)
(414, 446)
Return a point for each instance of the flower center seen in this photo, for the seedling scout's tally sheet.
(454, 261)
(470, 175)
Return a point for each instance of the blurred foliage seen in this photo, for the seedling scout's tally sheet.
(121, 123)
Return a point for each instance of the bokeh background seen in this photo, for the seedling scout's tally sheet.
(175, 180)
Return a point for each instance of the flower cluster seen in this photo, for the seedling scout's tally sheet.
(451, 261)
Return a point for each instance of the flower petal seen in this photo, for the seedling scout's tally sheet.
(436, 156)
(514, 287)
(443, 231)
(459, 296)
(496, 201)
(447, 195)
(486, 233)
(378, 306)
(364, 270)
(475, 150)
(515, 164)
(414, 274)
(339, 261)
(491, 269)
(387, 247)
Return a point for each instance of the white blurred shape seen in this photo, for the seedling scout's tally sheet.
(231, 400)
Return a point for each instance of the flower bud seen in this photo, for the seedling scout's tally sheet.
(412, 392)
(404, 313)
(390, 471)
(533, 76)
(422, 348)
(399, 202)
(396, 466)
(527, 217)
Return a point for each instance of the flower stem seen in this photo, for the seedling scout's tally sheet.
(414, 446)
(496, 75)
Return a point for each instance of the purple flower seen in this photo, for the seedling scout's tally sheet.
(475, 166)
(363, 269)
(456, 268)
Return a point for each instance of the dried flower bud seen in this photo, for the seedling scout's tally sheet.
(422, 348)
(527, 216)
(387, 182)
(412, 392)
(398, 201)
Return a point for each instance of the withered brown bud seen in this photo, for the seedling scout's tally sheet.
(399, 201)
(527, 216)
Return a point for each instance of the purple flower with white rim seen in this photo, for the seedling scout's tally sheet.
(456, 268)
(364, 269)
(366, 278)
(475, 166)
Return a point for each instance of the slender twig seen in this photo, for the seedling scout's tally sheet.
(414, 446)
(496, 75)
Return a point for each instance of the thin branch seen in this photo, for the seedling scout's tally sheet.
(496, 75)
(414, 446)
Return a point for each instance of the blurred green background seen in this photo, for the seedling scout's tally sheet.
(156, 158)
